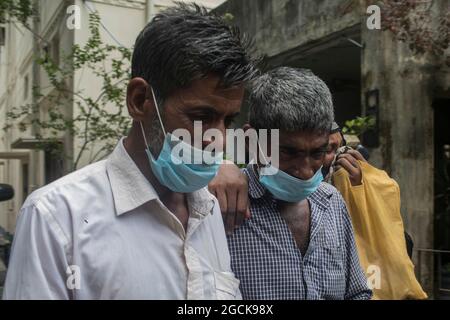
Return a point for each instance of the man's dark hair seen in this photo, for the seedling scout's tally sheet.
(185, 43)
(290, 99)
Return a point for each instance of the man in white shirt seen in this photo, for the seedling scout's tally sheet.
(135, 226)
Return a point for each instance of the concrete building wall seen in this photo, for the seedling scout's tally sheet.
(287, 32)
(280, 27)
(407, 85)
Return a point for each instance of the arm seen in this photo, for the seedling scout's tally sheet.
(37, 267)
(230, 187)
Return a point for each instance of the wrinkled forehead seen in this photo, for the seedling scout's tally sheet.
(304, 140)
(208, 92)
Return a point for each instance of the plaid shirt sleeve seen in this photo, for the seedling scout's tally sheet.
(357, 288)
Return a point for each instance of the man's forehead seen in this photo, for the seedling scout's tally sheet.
(336, 138)
(205, 92)
(211, 86)
(303, 139)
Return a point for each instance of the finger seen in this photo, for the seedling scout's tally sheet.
(248, 213)
(242, 206)
(240, 218)
(350, 159)
(356, 154)
(231, 210)
(347, 166)
(221, 197)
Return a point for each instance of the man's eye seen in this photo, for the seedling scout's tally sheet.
(331, 148)
(319, 154)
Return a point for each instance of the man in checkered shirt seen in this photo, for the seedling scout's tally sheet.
(305, 249)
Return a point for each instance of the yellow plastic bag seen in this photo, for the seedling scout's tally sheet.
(374, 208)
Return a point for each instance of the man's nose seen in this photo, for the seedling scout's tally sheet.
(304, 171)
(218, 139)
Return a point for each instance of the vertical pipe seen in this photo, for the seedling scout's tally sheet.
(149, 10)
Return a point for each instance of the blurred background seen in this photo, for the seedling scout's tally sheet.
(64, 66)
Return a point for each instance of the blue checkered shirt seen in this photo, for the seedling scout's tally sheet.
(267, 261)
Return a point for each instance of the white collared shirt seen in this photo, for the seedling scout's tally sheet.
(102, 233)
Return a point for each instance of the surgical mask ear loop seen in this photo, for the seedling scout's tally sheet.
(159, 117)
(143, 134)
(157, 111)
(262, 153)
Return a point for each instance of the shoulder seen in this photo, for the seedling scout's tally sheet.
(330, 201)
(327, 194)
(73, 188)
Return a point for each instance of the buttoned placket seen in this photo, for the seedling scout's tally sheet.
(197, 214)
(195, 281)
(306, 276)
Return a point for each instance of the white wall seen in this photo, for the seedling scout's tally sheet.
(15, 65)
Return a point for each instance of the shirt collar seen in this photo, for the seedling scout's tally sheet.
(201, 202)
(129, 186)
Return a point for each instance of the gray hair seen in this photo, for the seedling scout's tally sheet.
(290, 99)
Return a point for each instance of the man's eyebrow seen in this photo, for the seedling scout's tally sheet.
(288, 147)
(196, 108)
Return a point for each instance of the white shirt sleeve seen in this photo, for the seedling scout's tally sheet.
(38, 262)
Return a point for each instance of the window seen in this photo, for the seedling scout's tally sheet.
(51, 50)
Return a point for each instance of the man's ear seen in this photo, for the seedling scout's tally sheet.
(139, 102)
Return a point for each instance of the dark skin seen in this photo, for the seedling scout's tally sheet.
(301, 155)
(335, 142)
(204, 100)
(231, 185)
(348, 161)
(230, 178)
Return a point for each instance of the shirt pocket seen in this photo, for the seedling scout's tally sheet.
(333, 278)
(227, 286)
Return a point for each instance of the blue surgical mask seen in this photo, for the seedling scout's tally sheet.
(285, 187)
(177, 170)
